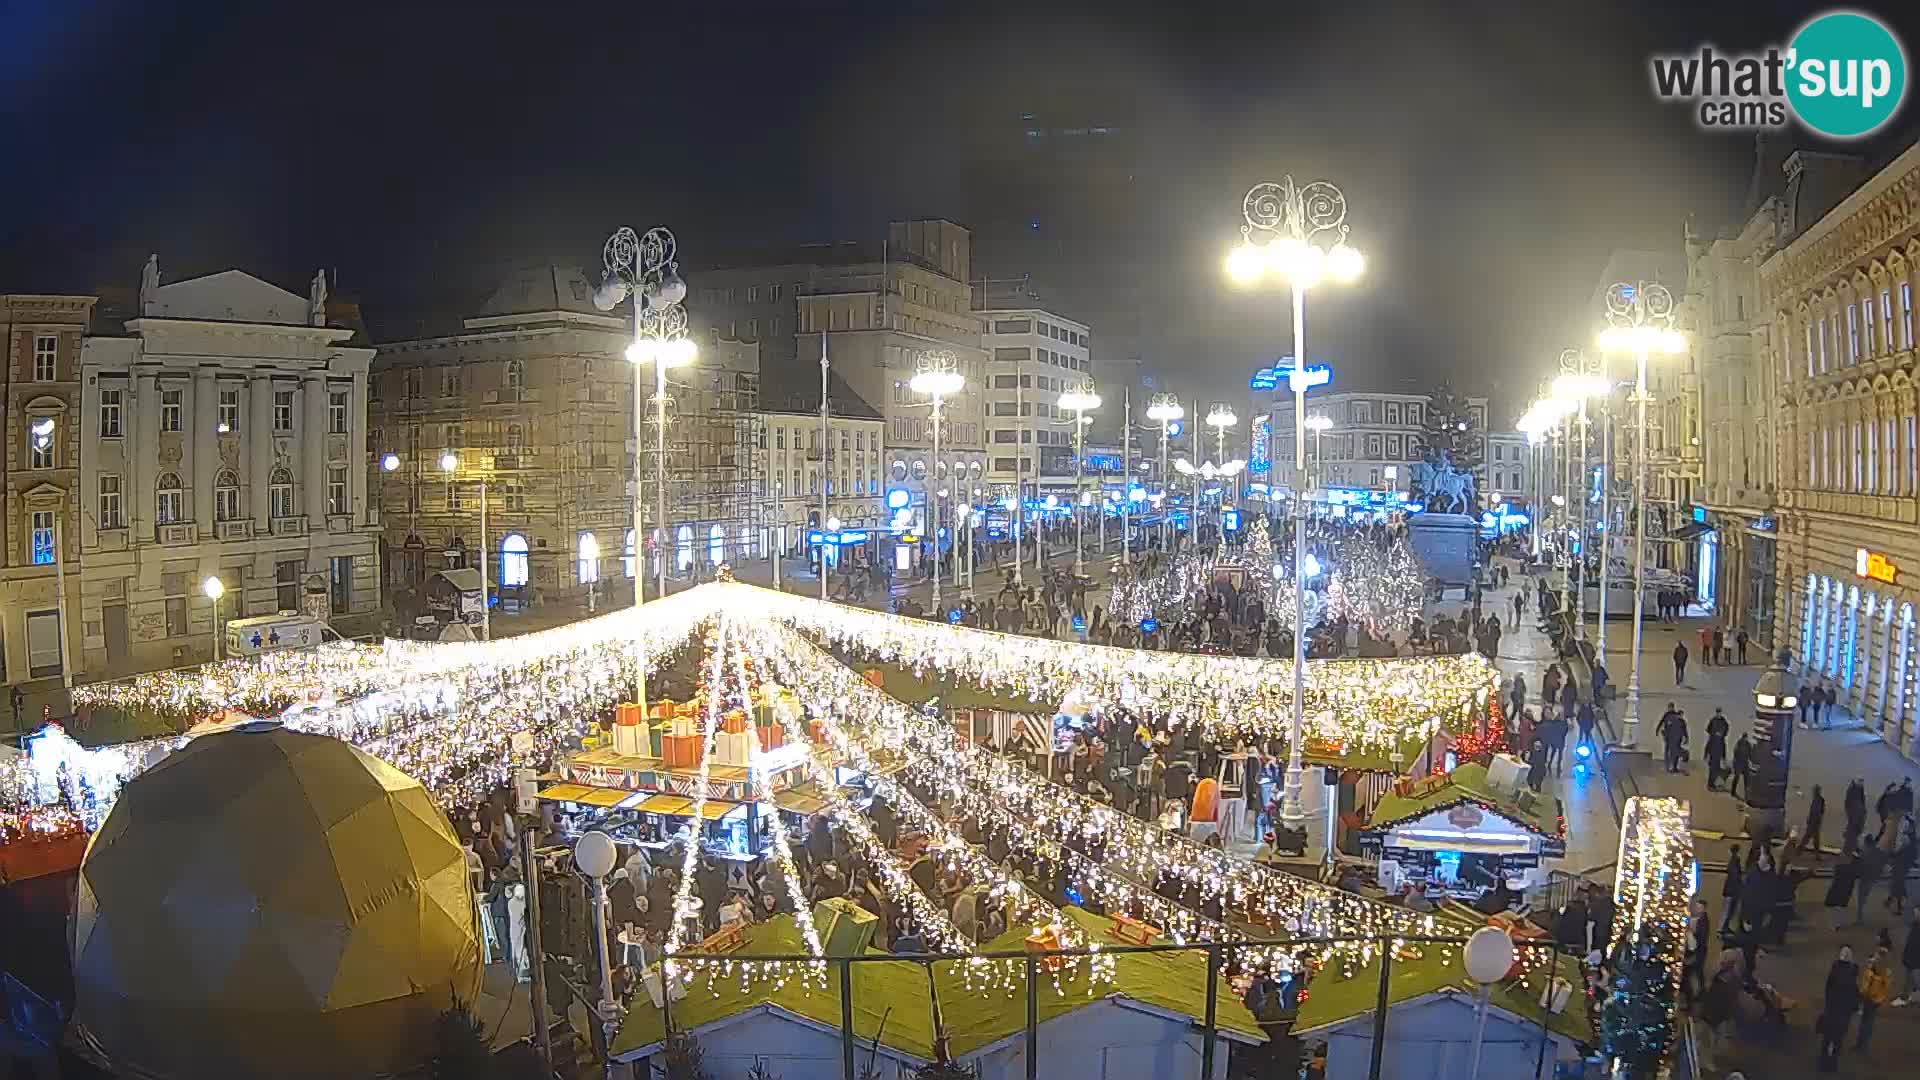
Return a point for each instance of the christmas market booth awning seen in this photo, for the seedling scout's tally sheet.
(1468, 789)
(917, 688)
(890, 999)
(1333, 1000)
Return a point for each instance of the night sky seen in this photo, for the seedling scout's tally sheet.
(1492, 154)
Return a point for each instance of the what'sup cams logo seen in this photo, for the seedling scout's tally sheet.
(1843, 75)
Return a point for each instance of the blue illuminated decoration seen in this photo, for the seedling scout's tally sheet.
(1267, 378)
(953, 616)
(898, 498)
(839, 539)
(1700, 514)
(1149, 625)
(1230, 520)
(1259, 461)
(1174, 428)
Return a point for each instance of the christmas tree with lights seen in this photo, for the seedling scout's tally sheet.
(1636, 1018)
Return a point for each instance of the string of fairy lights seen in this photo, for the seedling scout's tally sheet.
(1369, 705)
(1654, 886)
(1133, 848)
(686, 902)
(949, 850)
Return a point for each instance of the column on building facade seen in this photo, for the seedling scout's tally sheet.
(142, 466)
(259, 438)
(206, 409)
(357, 449)
(313, 448)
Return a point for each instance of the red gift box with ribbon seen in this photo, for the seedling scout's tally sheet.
(734, 723)
(771, 736)
(681, 751)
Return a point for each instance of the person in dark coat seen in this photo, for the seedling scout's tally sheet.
(1816, 813)
(1806, 705)
(1673, 729)
(1910, 959)
(1873, 863)
(1854, 805)
(1842, 1001)
(1742, 764)
(1840, 891)
(1679, 663)
(1730, 892)
(1716, 752)
(1897, 870)
(1537, 763)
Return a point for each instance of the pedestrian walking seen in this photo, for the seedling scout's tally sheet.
(1742, 763)
(1679, 663)
(1806, 701)
(1706, 646)
(1672, 730)
(1720, 645)
(1715, 753)
(1740, 645)
(1827, 700)
(1693, 970)
(1586, 718)
(1898, 868)
(1730, 892)
(1876, 982)
(1910, 959)
(1854, 806)
(1836, 1012)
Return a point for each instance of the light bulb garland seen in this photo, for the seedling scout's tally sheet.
(1655, 879)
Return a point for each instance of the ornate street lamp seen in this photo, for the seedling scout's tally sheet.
(1303, 240)
(1079, 401)
(938, 377)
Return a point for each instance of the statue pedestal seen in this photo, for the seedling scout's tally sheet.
(1445, 545)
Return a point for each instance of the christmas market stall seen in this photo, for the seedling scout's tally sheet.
(1433, 1012)
(1460, 834)
(1144, 1022)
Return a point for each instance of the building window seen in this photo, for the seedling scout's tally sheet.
(170, 409)
(337, 412)
(46, 358)
(340, 582)
(1906, 314)
(110, 503)
(42, 446)
(1866, 326)
(110, 414)
(515, 438)
(286, 579)
(169, 501)
(1393, 412)
(229, 411)
(716, 545)
(513, 560)
(283, 410)
(337, 490)
(42, 525)
(43, 644)
(226, 496)
(589, 559)
(1888, 340)
(626, 557)
(516, 375)
(1810, 370)
(779, 438)
(280, 494)
(456, 436)
(450, 382)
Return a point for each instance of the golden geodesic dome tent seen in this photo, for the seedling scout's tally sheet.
(264, 902)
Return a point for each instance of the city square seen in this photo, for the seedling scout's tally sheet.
(1088, 582)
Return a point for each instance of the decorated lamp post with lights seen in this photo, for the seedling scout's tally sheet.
(1640, 317)
(1079, 401)
(1319, 425)
(450, 464)
(1165, 410)
(1221, 418)
(1580, 380)
(215, 589)
(1303, 231)
(645, 267)
(939, 378)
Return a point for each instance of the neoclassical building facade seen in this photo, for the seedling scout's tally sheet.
(1841, 300)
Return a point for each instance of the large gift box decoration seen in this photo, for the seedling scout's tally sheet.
(732, 747)
(734, 723)
(681, 751)
(772, 736)
(629, 730)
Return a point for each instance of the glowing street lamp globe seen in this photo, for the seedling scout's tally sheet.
(1318, 423)
(1079, 401)
(449, 462)
(1165, 410)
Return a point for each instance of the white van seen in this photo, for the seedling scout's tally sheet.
(271, 633)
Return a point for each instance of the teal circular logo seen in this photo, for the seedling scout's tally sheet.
(1846, 74)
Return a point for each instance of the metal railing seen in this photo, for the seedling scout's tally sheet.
(1037, 964)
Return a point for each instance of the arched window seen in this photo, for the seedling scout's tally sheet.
(589, 559)
(684, 556)
(749, 547)
(513, 559)
(169, 502)
(516, 375)
(659, 552)
(716, 545)
(515, 438)
(280, 494)
(226, 496)
(628, 558)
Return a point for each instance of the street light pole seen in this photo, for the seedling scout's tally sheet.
(1165, 408)
(938, 377)
(826, 473)
(1296, 220)
(1606, 504)
(1641, 317)
(645, 268)
(1079, 401)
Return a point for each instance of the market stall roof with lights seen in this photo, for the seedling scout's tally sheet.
(1369, 705)
(891, 1000)
(1469, 785)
